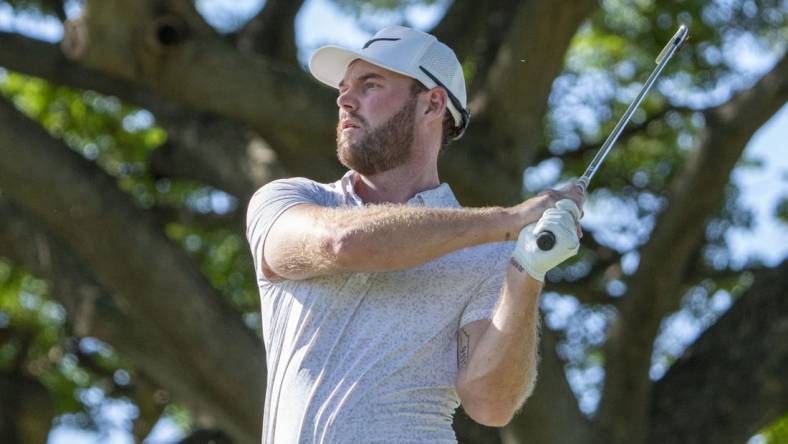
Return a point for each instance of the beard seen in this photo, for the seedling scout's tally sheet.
(379, 149)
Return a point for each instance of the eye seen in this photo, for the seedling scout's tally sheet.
(371, 85)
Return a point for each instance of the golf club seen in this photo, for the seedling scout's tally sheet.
(545, 240)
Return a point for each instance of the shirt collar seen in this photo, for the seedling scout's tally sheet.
(439, 197)
(346, 185)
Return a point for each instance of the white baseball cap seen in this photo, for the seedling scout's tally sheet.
(406, 51)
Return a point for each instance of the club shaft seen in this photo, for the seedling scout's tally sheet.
(546, 240)
(664, 57)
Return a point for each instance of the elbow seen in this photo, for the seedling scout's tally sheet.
(489, 410)
(493, 407)
(491, 419)
(351, 250)
(342, 249)
(489, 414)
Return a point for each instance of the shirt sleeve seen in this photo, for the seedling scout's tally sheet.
(483, 301)
(267, 204)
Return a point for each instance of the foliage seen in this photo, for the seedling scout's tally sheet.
(38, 342)
(84, 374)
(33, 6)
(781, 211)
(118, 137)
(777, 433)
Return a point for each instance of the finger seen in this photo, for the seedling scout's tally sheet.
(577, 200)
(569, 206)
(578, 197)
(554, 195)
(573, 186)
(578, 192)
(568, 185)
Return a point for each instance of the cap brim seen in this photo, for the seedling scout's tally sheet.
(328, 64)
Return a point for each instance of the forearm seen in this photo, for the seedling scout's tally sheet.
(312, 241)
(501, 370)
(309, 240)
(391, 237)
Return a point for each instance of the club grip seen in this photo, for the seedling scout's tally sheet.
(545, 240)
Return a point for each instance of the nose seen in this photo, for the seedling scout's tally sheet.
(347, 100)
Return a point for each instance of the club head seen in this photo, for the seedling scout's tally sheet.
(675, 42)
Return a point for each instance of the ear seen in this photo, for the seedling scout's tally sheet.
(437, 100)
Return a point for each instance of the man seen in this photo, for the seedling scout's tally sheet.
(384, 303)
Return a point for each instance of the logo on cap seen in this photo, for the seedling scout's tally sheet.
(389, 39)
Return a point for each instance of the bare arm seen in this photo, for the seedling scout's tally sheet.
(498, 358)
(309, 240)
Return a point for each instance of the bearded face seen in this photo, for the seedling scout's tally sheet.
(378, 149)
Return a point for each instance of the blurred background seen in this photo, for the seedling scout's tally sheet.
(132, 135)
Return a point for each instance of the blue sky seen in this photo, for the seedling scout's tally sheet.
(761, 186)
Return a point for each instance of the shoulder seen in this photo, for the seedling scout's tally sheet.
(299, 188)
(290, 183)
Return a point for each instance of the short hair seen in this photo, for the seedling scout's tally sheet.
(450, 130)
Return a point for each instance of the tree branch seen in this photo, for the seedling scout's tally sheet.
(93, 311)
(475, 29)
(45, 60)
(458, 29)
(202, 147)
(271, 32)
(509, 110)
(653, 289)
(170, 213)
(288, 109)
(27, 409)
(731, 382)
(168, 49)
(516, 92)
(291, 112)
(122, 244)
(203, 436)
(205, 147)
(150, 405)
(57, 8)
(215, 151)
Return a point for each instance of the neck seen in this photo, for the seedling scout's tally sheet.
(397, 185)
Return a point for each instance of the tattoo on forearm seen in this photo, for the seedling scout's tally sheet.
(516, 265)
(508, 236)
(463, 348)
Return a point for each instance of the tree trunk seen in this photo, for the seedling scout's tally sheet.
(732, 381)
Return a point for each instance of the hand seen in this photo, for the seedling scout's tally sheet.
(532, 209)
(562, 221)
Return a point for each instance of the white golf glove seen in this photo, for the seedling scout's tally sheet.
(561, 221)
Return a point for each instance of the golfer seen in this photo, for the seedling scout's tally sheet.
(384, 303)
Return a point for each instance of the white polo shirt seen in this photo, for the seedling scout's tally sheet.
(367, 357)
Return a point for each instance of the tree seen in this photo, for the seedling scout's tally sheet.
(128, 151)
